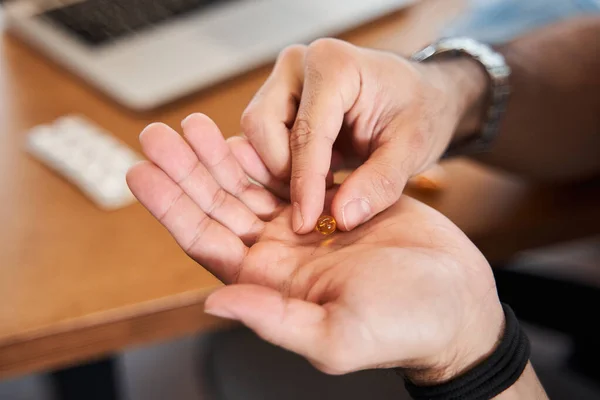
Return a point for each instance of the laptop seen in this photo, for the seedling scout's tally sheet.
(145, 53)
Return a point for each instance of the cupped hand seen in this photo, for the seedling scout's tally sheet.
(332, 105)
(406, 289)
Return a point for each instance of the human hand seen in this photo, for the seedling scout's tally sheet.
(333, 105)
(406, 289)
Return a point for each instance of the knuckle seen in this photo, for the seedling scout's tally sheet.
(324, 47)
(251, 122)
(314, 73)
(240, 187)
(281, 172)
(164, 215)
(303, 172)
(217, 201)
(293, 52)
(386, 185)
(331, 59)
(201, 228)
(301, 135)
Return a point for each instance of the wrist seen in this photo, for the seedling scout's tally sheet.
(467, 90)
(527, 387)
(473, 345)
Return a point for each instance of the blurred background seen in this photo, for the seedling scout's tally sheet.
(102, 304)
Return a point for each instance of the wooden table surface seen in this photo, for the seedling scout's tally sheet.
(77, 283)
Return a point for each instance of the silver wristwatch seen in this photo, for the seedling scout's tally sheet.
(498, 72)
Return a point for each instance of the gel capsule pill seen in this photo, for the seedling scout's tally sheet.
(326, 225)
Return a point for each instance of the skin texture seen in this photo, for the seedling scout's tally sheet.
(332, 105)
(406, 289)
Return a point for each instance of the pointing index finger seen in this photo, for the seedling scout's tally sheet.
(331, 86)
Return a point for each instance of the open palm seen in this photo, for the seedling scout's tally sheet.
(396, 291)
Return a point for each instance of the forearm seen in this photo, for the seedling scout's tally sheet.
(528, 387)
(551, 129)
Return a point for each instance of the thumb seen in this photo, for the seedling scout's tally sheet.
(293, 324)
(372, 188)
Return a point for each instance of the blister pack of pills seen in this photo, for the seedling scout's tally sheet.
(87, 156)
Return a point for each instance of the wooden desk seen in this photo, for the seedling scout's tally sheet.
(77, 283)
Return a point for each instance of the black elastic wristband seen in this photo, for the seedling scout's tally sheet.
(489, 378)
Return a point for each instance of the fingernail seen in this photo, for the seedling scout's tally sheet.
(221, 313)
(297, 220)
(355, 212)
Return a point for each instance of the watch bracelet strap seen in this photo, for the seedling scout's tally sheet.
(498, 73)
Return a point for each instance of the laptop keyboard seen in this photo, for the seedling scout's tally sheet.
(99, 22)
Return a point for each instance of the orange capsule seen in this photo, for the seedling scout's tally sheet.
(433, 179)
(326, 225)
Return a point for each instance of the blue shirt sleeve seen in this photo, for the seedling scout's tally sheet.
(499, 21)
